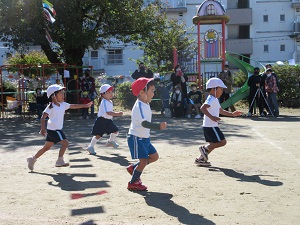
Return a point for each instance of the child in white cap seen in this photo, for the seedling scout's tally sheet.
(139, 132)
(104, 123)
(55, 111)
(211, 109)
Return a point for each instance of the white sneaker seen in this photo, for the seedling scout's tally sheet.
(61, 163)
(188, 116)
(112, 144)
(31, 161)
(197, 116)
(91, 150)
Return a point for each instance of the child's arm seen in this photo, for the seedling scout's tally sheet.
(115, 113)
(79, 106)
(43, 129)
(233, 114)
(156, 126)
(204, 108)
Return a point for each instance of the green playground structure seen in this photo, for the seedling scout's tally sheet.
(245, 67)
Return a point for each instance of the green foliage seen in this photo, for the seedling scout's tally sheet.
(289, 90)
(239, 78)
(166, 35)
(78, 26)
(29, 64)
(125, 96)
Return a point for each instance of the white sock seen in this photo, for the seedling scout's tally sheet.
(113, 137)
(94, 141)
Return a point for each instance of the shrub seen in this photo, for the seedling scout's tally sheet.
(124, 95)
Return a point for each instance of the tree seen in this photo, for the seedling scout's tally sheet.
(166, 35)
(78, 26)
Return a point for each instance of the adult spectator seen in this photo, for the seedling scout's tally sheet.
(88, 85)
(142, 71)
(254, 83)
(271, 92)
(178, 78)
(227, 79)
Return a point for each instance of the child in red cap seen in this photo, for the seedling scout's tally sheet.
(139, 132)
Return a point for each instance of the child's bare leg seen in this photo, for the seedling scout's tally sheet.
(64, 146)
(45, 148)
(212, 146)
(144, 162)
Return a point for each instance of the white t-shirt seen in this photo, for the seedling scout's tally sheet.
(140, 112)
(214, 110)
(56, 115)
(105, 106)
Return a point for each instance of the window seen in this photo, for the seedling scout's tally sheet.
(210, 9)
(282, 18)
(266, 48)
(266, 18)
(244, 32)
(282, 48)
(114, 56)
(94, 54)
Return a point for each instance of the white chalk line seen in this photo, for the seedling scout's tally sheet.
(279, 148)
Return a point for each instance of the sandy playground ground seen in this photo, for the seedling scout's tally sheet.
(254, 179)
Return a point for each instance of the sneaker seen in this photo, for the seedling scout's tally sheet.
(31, 161)
(87, 117)
(249, 114)
(262, 114)
(136, 186)
(91, 150)
(112, 144)
(188, 116)
(81, 118)
(61, 163)
(197, 116)
(202, 162)
(130, 169)
(203, 152)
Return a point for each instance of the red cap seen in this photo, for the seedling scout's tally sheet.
(139, 85)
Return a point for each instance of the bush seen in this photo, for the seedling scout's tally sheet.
(124, 95)
(289, 85)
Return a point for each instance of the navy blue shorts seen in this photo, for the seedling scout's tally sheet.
(213, 134)
(140, 148)
(102, 126)
(55, 136)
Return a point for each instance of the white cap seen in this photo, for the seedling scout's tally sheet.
(105, 87)
(53, 88)
(215, 82)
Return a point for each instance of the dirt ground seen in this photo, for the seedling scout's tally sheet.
(254, 179)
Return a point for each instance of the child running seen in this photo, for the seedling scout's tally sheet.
(211, 109)
(55, 111)
(139, 132)
(104, 123)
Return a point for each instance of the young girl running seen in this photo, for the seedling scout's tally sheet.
(104, 123)
(55, 111)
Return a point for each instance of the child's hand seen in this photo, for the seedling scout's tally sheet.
(215, 118)
(89, 104)
(43, 132)
(237, 113)
(163, 125)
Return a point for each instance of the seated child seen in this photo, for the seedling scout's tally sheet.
(84, 100)
(194, 101)
(177, 103)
